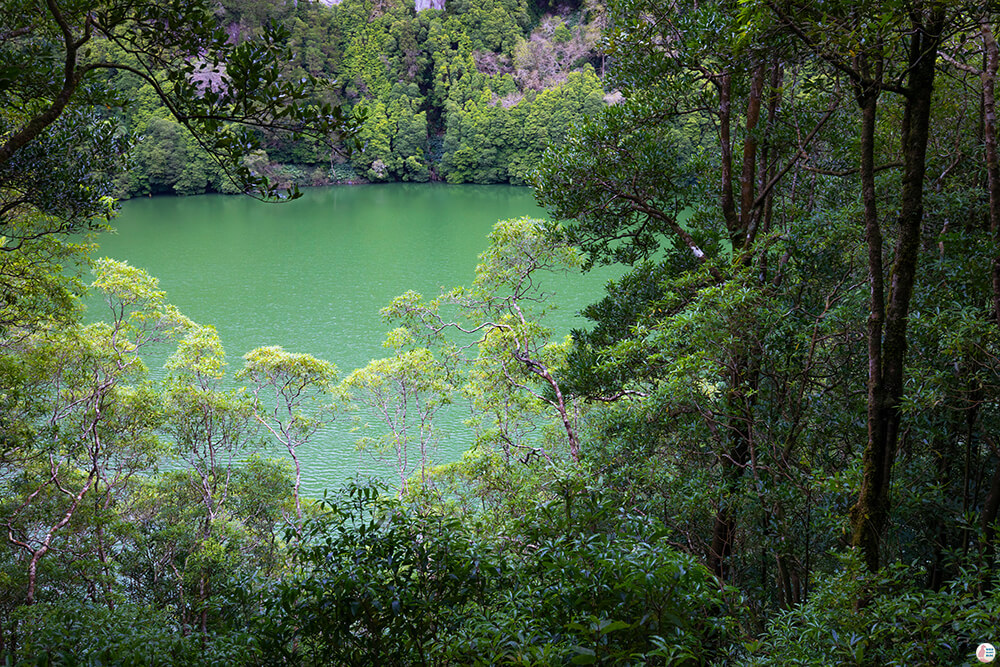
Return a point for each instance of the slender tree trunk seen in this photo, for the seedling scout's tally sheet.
(761, 223)
(870, 515)
(47, 542)
(867, 95)
(992, 154)
(204, 584)
(748, 175)
(102, 555)
(203, 592)
(991, 505)
(184, 612)
(988, 521)
(745, 369)
(727, 202)
(944, 451)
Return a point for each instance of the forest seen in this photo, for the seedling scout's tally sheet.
(775, 443)
(472, 94)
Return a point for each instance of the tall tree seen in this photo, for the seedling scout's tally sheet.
(404, 392)
(87, 429)
(860, 47)
(693, 166)
(502, 311)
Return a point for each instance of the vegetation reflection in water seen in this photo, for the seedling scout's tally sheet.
(311, 276)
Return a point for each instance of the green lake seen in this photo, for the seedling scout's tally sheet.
(311, 275)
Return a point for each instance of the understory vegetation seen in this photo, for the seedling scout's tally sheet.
(776, 442)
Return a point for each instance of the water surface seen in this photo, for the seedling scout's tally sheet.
(311, 275)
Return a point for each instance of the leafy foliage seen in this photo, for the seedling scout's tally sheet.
(410, 76)
(383, 582)
(804, 207)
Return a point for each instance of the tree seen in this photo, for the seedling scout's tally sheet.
(84, 430)
(211, 428)
(783, 178)
(492, 138)
(58, 57)
(291, 395)
(503, 309)
(35, 288)
(404, 392)
(873, 68)
(375, 157)
(692, 169)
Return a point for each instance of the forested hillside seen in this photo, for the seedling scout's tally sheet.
(470, 94)
(776, 443)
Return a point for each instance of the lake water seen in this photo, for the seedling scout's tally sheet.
(311, 275)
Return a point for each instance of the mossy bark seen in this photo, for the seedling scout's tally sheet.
(887, 357)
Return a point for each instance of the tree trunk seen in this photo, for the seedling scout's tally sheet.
(988, 520)
(723, 84)
(47, 542)
(867, 95)
(748, 191)
(991, 505)
(992, 154)
(746, 368)
(887, 358)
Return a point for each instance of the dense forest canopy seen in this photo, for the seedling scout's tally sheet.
(471, 93)
(775, 444)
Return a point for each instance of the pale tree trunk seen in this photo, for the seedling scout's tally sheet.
(46, 544)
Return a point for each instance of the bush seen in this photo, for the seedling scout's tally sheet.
(76, 633)
(590, 584)
(378, 584)
(381, 582)
(898, 623)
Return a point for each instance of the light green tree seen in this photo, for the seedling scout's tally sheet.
(502, 312)
(211, 428)
(291, 398)
(84, 418)
(404, 392)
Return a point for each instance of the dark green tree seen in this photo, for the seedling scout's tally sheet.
(57, 61)
(773, 204)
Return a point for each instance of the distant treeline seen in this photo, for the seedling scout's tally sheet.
(470, 94)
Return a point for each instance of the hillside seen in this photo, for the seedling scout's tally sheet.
(473, 93)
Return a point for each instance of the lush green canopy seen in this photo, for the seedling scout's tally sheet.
(778, 434)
